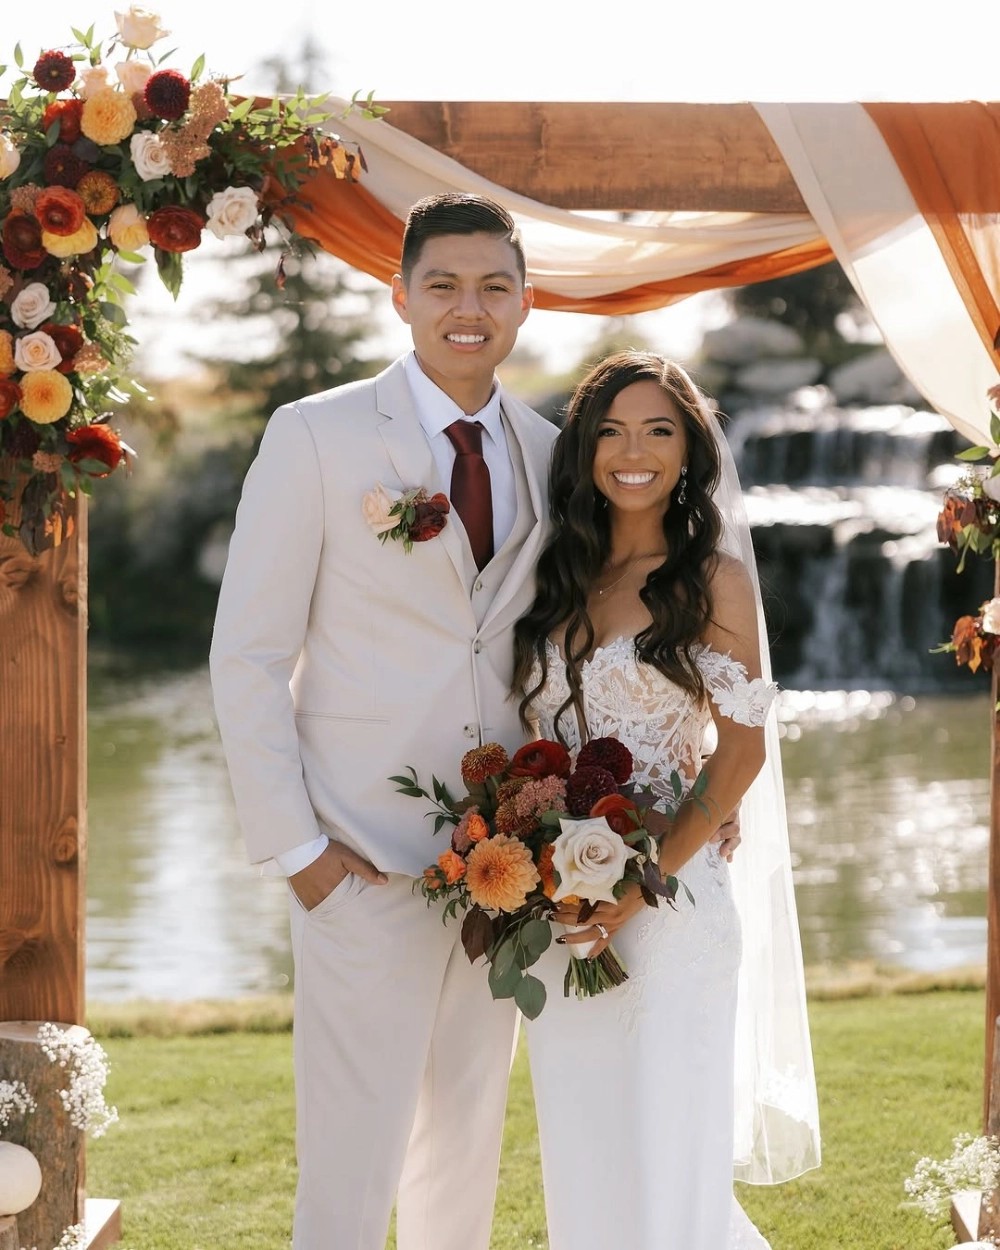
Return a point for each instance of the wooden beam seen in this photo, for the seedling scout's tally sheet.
(43, 601)
(663, 157)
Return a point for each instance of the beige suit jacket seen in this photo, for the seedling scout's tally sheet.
(338, 660)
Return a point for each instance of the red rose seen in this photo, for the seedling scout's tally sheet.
(68, 339)
(54, 71)
(430, 518)
(22, 241)
(617, 811)
(543, 758)
(95, 442)
(175, 229)
(607, 753)
(167, 93)
(67, 113)
(10, 397)
(60, 210)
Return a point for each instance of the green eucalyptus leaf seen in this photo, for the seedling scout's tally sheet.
(529, 994)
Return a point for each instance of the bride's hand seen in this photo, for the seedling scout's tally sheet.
(604, 921)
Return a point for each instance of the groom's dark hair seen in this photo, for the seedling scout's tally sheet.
(454, 212)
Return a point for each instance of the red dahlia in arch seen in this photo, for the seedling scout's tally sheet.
(167, 93)
(10, 397)
(67, 113)
(60, 210)
(175, 229)
(54, 71)
(62, 166)
(22, 241)
(68, 340)
(607, 753)
(95, 442)
(585, 786)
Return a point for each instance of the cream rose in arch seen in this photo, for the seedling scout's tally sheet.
(375, 508)
(139, 28)
(149, 156)
(32, 305)
(34, 352)
(133, 75)
(127, 228)
(10, 157)
(232, 211)
(93, 78)
(991, 617)
(590, 859)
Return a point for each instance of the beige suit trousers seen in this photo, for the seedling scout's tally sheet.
(402, 1059)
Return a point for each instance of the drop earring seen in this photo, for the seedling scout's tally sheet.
(682, 493)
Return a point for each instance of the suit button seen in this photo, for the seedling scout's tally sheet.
(478, 586)
(477, 647)
(470, 731)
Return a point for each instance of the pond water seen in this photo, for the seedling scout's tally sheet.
(888, 803)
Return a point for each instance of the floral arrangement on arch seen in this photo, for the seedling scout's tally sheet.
(533, 830)
(969, 521)
(108, 155)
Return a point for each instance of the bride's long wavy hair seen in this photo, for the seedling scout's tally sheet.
(676, 594)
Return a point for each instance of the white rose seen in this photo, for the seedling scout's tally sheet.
(139, 27)
(590, 859)
(375, 508)
(991, 617)
(36, 351)
(32, 306)
(133, 76)
(10, 157)
(232, 211)
(149, 156)
(93, 78)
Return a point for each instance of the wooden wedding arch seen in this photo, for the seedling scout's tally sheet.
(590, 156)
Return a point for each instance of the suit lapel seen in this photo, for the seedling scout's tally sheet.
(410, 454)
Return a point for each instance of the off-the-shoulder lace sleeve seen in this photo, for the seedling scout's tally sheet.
(744, 701)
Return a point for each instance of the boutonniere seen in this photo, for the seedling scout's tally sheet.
(412, 515)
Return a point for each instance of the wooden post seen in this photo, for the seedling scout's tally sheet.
(989, 1205)
(47, 1133)
(993, 897)
(8, 1233)
(43, 623)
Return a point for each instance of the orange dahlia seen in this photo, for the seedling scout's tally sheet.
(108, 117)
(7, 365)
(482, 762)
(45, 396)
(99, 192)
(499, 873)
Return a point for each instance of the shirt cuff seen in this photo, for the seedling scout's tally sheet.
(299, 857)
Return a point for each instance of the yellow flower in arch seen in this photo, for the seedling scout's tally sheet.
(45, 396)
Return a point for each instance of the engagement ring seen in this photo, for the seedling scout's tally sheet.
(602, 931)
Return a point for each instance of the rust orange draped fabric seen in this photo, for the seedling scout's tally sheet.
(348, 221)
(949, 155)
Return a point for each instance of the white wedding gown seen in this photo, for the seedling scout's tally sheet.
(634, 1087)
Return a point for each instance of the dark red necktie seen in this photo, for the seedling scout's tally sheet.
(470, 488)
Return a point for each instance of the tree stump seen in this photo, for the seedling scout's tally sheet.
(47, 1133)
(8, 1233)
(989, 1204)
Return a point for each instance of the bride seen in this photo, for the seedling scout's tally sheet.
(647, 627)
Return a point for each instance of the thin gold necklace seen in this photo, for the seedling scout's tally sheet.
(635, 560)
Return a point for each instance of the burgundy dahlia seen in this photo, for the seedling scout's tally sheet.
(585, 786)
(607, 753)
(167, 94)
(54, 71)
(62, 166)
(22, 241)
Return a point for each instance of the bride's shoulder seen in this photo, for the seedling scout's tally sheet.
(733, 627)
(730, 580)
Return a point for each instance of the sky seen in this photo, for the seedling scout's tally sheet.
(700, 51)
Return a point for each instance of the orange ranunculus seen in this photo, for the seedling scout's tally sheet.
(174, 228)
(477, 828)
(499, 873)
(620, 813)
(7, 365)
(45, 396)
(543, 758)
(99, 192)
(452, 865)
(67, 113)
(95, 442)
(108, 117)
(10, 397)
(60, 211)
(79, 243)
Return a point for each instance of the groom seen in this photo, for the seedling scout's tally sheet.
(338, 660)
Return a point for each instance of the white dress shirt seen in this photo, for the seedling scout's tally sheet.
(436, 411)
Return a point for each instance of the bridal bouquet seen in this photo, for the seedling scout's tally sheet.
(533, 830)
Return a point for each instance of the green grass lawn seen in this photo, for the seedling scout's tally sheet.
(203, 1156)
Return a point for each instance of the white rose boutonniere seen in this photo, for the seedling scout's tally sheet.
(412, 516)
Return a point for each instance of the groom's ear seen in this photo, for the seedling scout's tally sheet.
(399, 297)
